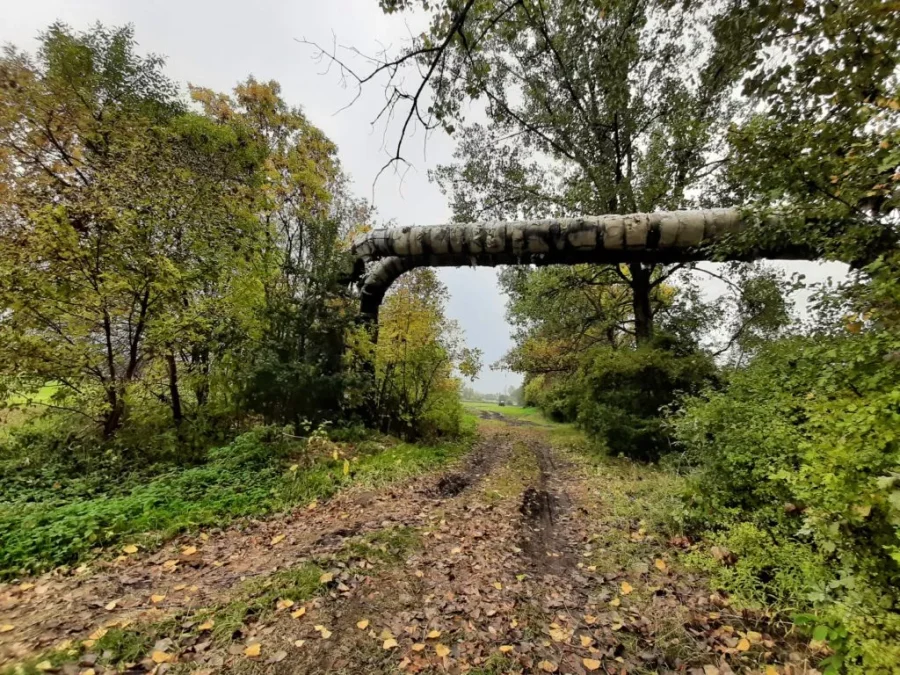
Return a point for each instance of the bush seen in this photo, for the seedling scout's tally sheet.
(799, 468)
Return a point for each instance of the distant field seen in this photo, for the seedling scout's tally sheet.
(518, 412)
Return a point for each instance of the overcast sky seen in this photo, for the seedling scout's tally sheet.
(215, 44)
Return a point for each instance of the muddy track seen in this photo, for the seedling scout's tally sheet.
(56, 607)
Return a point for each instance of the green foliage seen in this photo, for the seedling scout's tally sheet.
(798, 459)
(44, 524)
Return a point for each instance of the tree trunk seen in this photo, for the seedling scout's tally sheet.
(174, 394)
(643, 315)
(113, 419)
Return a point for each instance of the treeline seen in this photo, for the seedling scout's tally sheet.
(174, 270)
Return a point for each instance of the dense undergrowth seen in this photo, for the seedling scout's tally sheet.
(50, 517)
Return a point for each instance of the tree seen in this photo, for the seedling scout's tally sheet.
(417, 358)
(295, 369)
(114, 217)
(611, 107)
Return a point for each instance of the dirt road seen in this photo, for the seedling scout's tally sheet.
(524, 558)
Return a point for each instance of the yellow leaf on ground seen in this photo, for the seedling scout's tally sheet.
(189, 550)
(743, 645)
(157, 598)
(204, 536)
(44, 666)
(434, 634)
(324, 632)
(5, 628)
(589, 619)
(771, 670)
(161, 657)
(284, 603)
(97, 634)
(754, 637)
(297, 613)
(418, 647)
(547, 666)
(129, 549)
(88, 671)
(591, 664)
(362, 625)
(253, 650)
(506, 649)
(299, 643)
(661, 564)
(390, 643)
(26, 586)
(710, 670)
(110, 606)
(498, 585)
(626, 588)
(206, 625)
(615, 602)
(442, 650)
(559, 634)
(456, 550)
(326, 578)
(278, 538)
(346, 468)
(586, 640)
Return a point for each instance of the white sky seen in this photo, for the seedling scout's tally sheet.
(216, 44)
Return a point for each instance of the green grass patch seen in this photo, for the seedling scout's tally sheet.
(43, 526)
(526, 413)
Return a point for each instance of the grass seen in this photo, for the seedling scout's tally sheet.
(526, 413)
(44, 526)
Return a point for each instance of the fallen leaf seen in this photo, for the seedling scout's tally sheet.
(456, 550)
(362, 625)
(434, 634)
(616, 601)
(346, 468)
(324, 632)
(277, 657)
(326, 578)
(626, 588)
(390, 643)
(44, 666)
(754, 637)
(27, 586)
(498, 585)
(559, 634)
(189, 550)
(97, 634)
(297, 613)
(442, 650)
(278, 538)
(206, 625)
(418, 647)
(170, 564)
(506, 649)
(204, 536)
(161, 657)
(588, 619)
(771, 670)
(5, 628)
(110, 606)
(547, 666)
(284, 603)
(91, 671)
(710, 670)
(179, 587)
(743, 645)
(129, 549)
(586, 640)
(591, 664)
(155, 599)
(253, 650)
(660, 564)
(299, 643)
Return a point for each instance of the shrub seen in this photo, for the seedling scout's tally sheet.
(799, 471)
